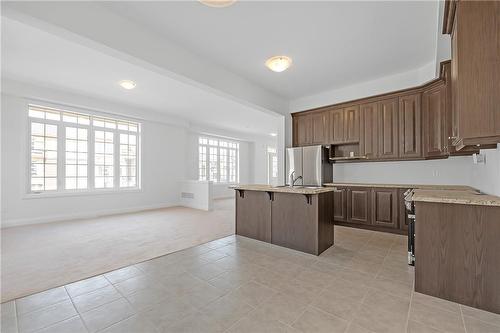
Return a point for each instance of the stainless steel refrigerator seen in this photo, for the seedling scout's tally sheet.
(310, 163)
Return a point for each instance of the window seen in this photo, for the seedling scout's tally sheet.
(218, 160)
(272, 165)
(80, 152)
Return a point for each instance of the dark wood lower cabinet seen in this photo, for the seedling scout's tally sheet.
(340, 204)
(403, 214)
(373, 208)
(359, 203)
(457, 253)
(294, 219)
(253, 215)
(385, 207)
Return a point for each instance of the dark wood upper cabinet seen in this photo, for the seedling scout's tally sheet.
(435, 140)
(253, 215)
(337, 126)
(359, 205)
(388, 129)
(385, 207)
(475, 71)
(319, 127)
(340, 204)
(302, 135)
(368, 141)
(351, 124)
(410, 126)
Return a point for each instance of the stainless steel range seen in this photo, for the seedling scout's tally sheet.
(410, 211)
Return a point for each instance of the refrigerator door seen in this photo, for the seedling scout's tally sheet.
(312, 167)
(294, 163)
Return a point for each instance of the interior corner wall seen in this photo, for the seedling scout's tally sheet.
(162, 168)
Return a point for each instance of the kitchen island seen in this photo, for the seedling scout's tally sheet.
(457, 246)
(299, 217)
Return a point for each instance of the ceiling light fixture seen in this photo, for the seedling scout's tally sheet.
(218, 3)
(273, 134)
(127, 84)
(278, 63)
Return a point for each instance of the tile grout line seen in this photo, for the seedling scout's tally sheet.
(462, 317)
(409, 308)
(78, 312)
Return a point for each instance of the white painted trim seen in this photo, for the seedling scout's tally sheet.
(82, 215)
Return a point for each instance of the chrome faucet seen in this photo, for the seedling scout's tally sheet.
(292, 179)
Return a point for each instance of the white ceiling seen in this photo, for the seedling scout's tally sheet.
(38, 57)
(332, 43)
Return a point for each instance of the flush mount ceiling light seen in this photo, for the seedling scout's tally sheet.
(273, 134)
(127, 84)
(278, 63)
(217, 3)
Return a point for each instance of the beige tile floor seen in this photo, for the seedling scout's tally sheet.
(235, 284)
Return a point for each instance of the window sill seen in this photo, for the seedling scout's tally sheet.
(79, 194)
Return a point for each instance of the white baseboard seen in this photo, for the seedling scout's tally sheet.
(84, 215)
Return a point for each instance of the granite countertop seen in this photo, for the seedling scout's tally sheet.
(283, 189)
(455, 197)
(414, 186)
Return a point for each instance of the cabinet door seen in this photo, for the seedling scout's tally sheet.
(410, 126)
(358, 203)
(388, 129)
(253, 215)
(319, 126)
(294, 222)
(304, 130)
(368, 143)
(434, 121)
(385, 207)
(351, 124)
(403, 214)
(337, 125)
(340, 204)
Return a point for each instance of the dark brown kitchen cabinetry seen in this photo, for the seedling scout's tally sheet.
(475, 71)
(388, 129)
(253, 215)
(302, 222)
(351, 124)
(340, 204)
(374, 208)
(337, 126)
(410, 126)
(435, 141)
(358, 205)
(403, 215)
(319, 127)
(385, 207)
(302, 135)
(368, 142)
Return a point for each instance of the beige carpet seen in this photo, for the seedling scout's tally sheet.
(44, 256)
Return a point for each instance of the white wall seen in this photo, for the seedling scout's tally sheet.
(486, 177)
(162, 168)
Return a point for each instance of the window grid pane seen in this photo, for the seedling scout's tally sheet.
(128, 160)
(43, 157)
(46, 122)
(76, 163)
(104, 159)
(202, 157)
(217, 160)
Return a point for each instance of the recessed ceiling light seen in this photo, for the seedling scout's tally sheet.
(127, 84)
(218, 3)
(278, 63)
(273, 134)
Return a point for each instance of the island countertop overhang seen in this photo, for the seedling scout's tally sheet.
(283, 189)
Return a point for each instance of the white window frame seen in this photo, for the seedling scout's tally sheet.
(61, 152)
(207, 154)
